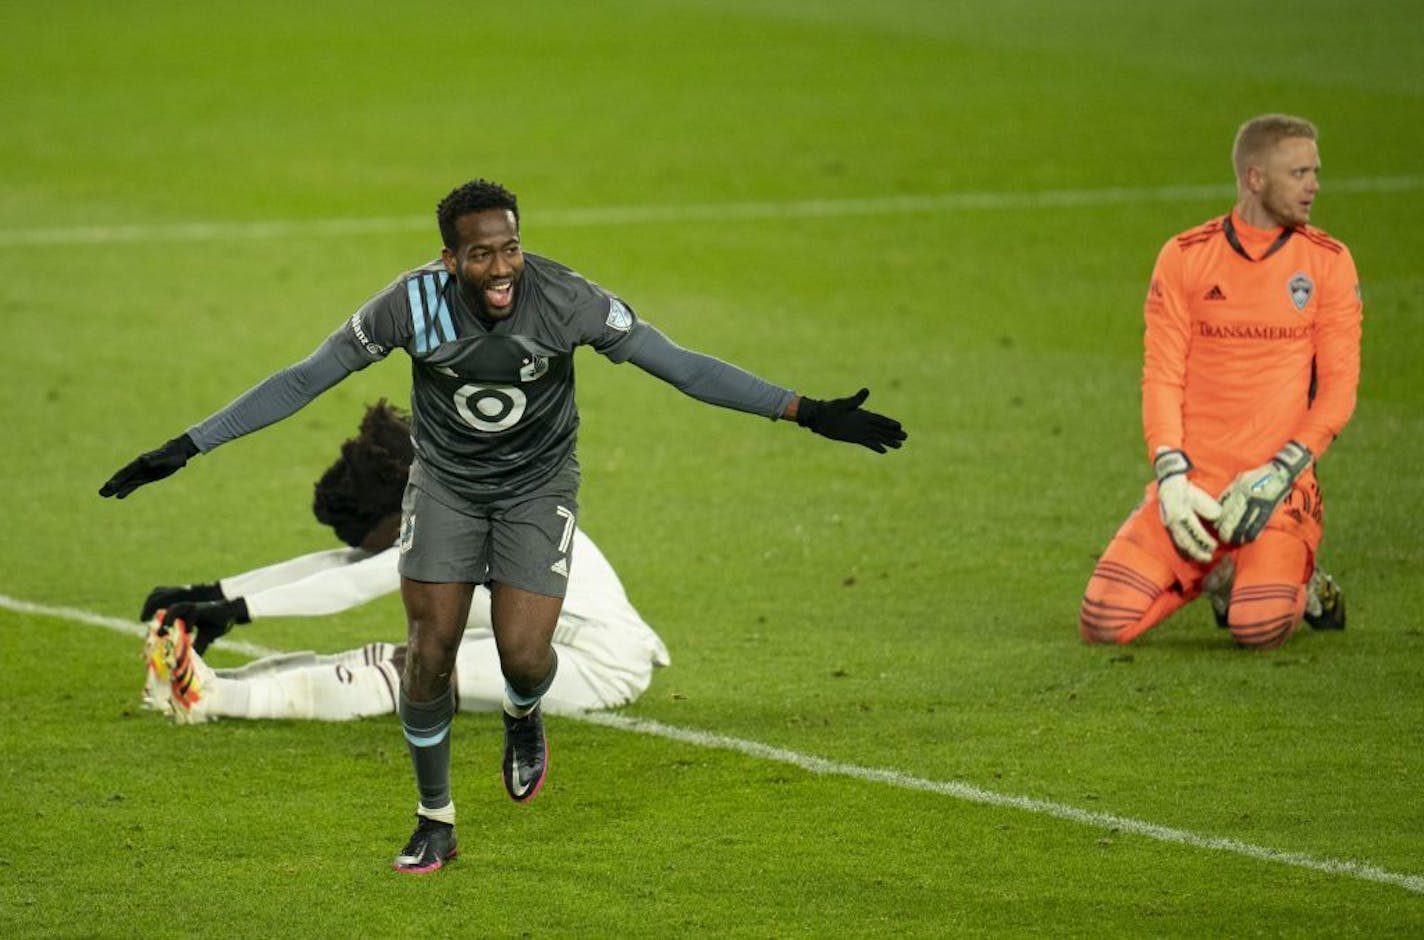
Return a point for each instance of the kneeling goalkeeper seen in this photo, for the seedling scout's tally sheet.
(1252, 358)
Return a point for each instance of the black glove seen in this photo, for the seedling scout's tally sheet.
(210, 618)
(842, 419)
(161, 597)
(154, 465)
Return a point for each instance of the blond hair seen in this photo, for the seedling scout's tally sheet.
(1260, 134)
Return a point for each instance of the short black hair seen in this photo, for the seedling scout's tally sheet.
(366, 483)
(474, 196)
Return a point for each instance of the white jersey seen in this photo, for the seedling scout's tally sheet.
(607, 652)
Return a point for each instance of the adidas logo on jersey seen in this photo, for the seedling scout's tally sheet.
(560, 567)
(1216, 293)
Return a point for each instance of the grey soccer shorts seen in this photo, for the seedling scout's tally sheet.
(525, 541)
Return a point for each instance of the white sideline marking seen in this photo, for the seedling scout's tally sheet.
(118, 624)
(973, 794)
(706, 212)
(819, 765)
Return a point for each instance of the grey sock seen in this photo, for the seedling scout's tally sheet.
(427, 733)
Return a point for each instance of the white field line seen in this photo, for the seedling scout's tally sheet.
(973, 794)
(894, 778)
(117, 624)
(693, 212)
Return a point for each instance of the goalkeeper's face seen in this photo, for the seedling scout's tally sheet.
(488, 262)
(1291, 180)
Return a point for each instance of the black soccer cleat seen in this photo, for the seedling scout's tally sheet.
(1324, 603)
(526, 755)
(430, 846)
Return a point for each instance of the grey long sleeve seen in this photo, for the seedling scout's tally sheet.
(274, 398)
(707, 378)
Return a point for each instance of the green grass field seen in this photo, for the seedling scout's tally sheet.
(879, 719)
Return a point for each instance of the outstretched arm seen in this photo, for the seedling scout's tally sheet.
(707, 378)
(273, 399)
(307, 586)
(716, 382)
(358, 579)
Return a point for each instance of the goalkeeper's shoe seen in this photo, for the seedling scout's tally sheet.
(190, 681)
(1217, 588)
(1324, 602)
(430, 846)
(526, 755)
(155, 682)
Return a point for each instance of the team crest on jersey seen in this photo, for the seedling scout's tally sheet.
(1300, 287)
(619, 316)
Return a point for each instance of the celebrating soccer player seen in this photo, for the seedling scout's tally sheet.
(493, 491)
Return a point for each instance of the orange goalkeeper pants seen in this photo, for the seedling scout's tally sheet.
(1141, 579)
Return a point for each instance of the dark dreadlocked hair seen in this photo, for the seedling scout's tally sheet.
(474, 196)
(366, 484)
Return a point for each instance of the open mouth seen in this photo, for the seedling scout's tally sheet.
(499, 294)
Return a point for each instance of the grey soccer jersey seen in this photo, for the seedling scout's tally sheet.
(492, 404)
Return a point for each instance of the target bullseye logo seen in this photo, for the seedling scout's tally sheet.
(490, 407)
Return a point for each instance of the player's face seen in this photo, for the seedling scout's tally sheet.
(1290, 180)
(488, 261)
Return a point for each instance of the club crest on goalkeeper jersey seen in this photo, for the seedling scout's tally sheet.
(492, 405)
(1252, 339)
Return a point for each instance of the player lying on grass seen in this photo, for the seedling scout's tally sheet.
(606, 651)
(1251, 362)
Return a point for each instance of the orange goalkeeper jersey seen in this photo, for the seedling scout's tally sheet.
(1252, 340)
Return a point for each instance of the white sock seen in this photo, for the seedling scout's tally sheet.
(280, 662)
(368, 655)
(326, 693)
(445, 814)
(517, 711)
